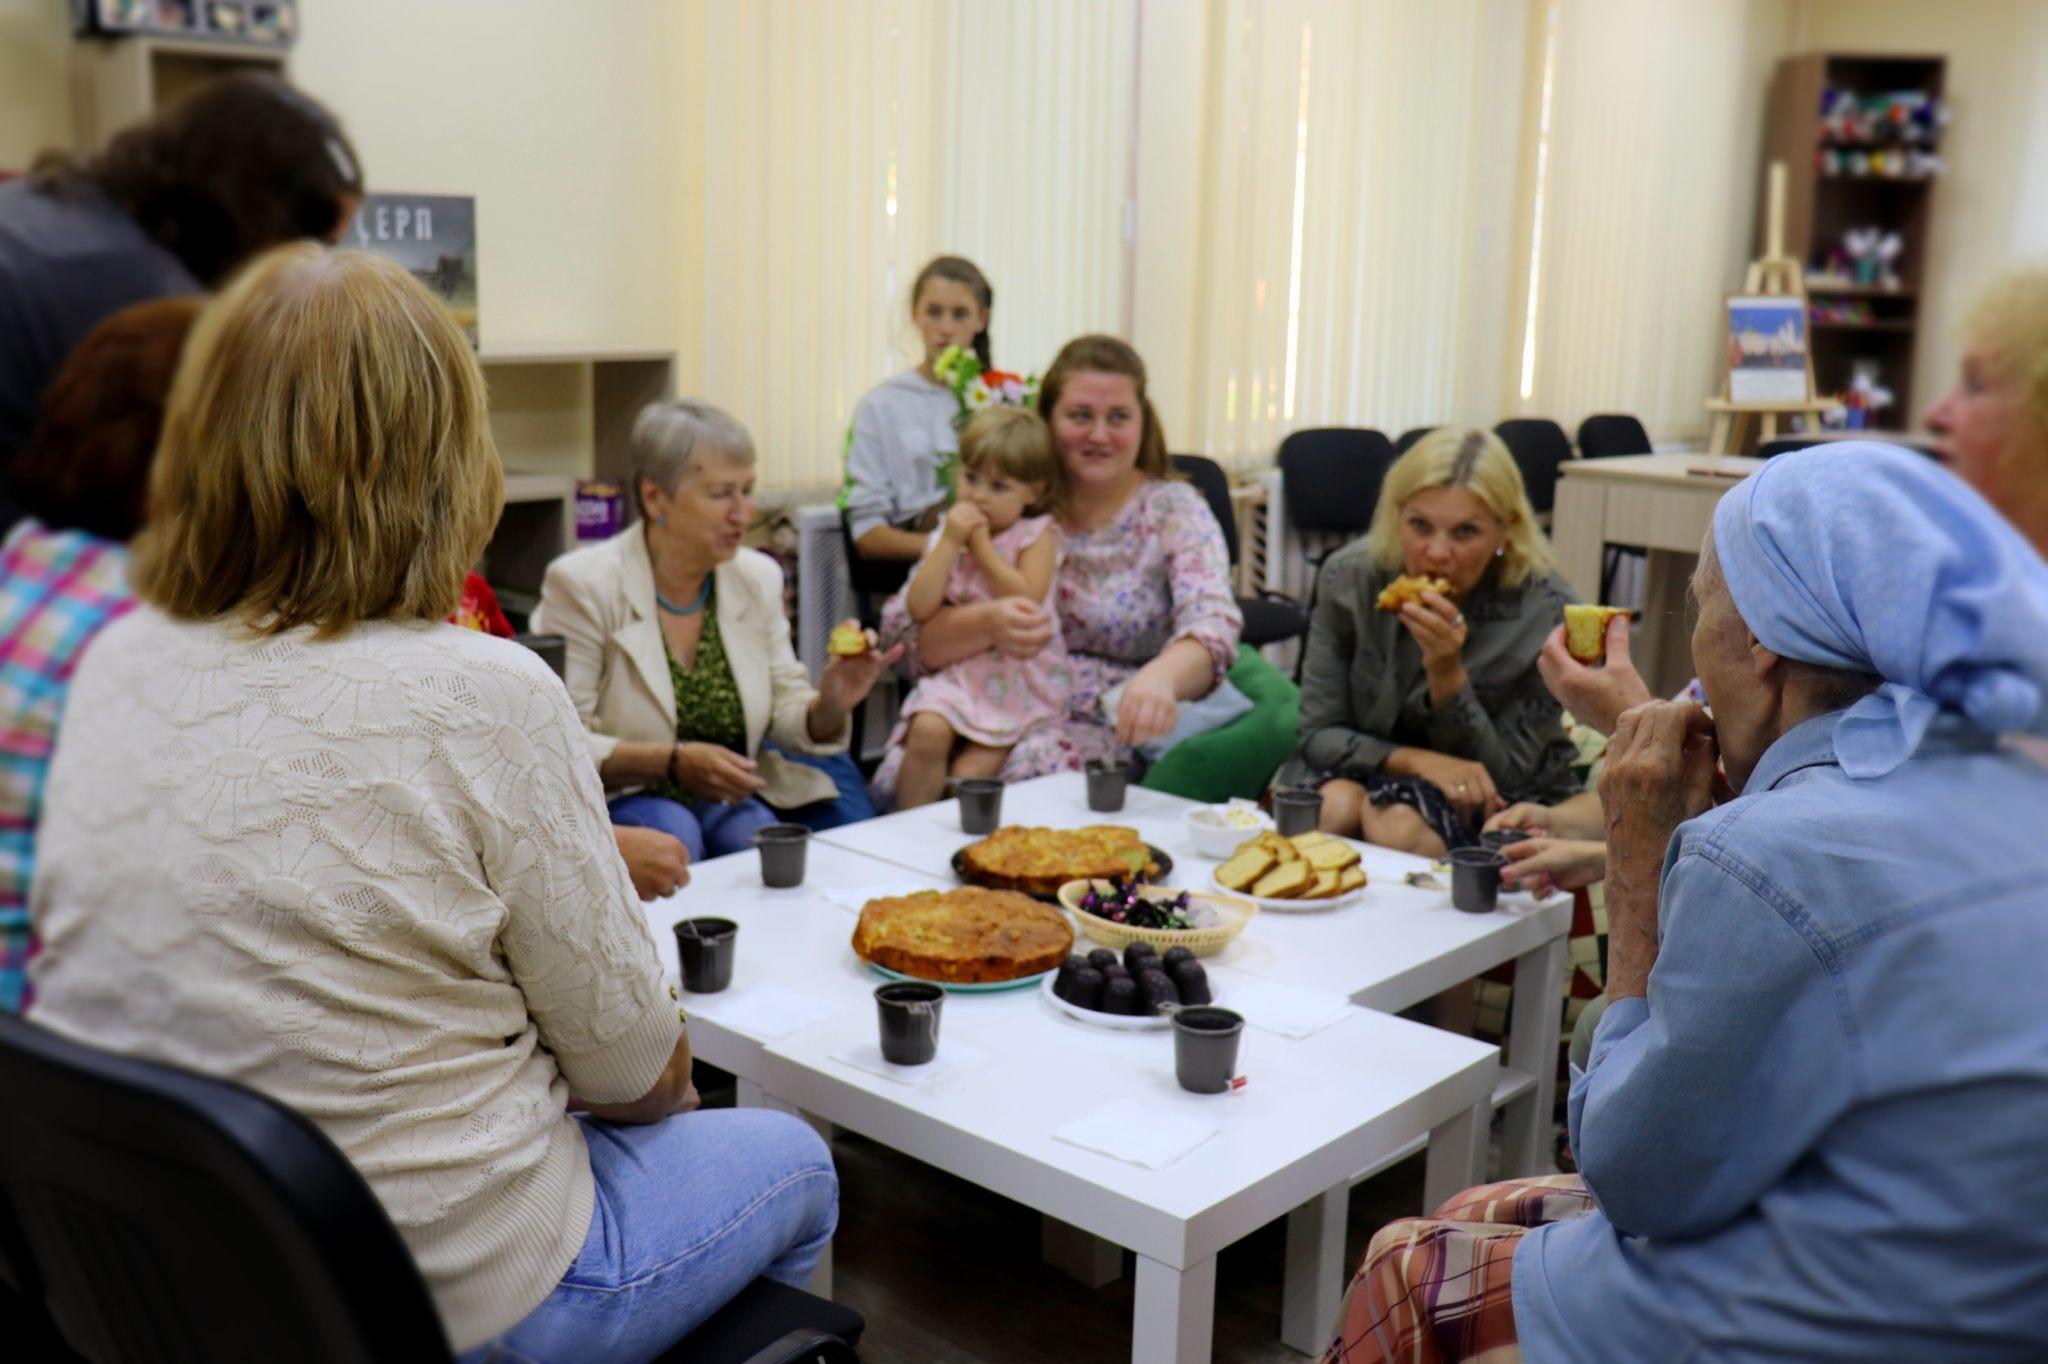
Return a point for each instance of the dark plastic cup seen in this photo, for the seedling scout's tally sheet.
(784, 849)
(1205, 1042)
(1297, 812)
(981, 805)
(706, 947)
(1497, 839)
(1475, 879)
(908, 1013)
(1107, 781)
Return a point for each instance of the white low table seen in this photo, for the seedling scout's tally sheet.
(1312, 1112)
(1391, 949)
(1360, 1093)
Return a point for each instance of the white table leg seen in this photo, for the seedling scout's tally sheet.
(1314, 1284)
(1175, 1313)
(1532, 1049)
(1457, 1155)
(748, 1094)
(1081, 1256)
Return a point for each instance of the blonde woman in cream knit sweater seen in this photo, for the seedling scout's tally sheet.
(303, 835)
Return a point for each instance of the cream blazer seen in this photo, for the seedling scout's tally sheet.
(600, 599)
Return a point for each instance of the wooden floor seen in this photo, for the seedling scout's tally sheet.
(948, 1273)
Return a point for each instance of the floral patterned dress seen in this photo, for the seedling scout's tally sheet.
(1156, 574)
(990, 698)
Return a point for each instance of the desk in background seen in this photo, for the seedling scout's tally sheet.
(1657, 503)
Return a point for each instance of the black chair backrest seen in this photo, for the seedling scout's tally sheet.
(1330, 477)
(1612, 433)
(1214, 486)
(874, 581)
(170, 1216)
(1540, 448)
(1409, 437)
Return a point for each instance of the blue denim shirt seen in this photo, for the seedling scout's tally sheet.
(1824, 1135)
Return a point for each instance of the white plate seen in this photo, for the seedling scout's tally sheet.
(1290, 906)
(1096, 1018)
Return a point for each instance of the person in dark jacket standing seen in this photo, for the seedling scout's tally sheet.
(172, 206)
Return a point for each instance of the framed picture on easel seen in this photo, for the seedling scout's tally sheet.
(1769, 360)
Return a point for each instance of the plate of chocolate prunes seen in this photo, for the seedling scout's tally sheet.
(1136, 992)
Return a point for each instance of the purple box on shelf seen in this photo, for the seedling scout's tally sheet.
(600, 509)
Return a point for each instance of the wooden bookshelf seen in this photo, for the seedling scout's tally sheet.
(119, 81)
(1820, 208)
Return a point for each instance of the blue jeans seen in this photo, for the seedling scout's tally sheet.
(689, 1211)
(710, 828)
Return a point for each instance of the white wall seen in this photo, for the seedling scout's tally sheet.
(571, 126)
(35, 108)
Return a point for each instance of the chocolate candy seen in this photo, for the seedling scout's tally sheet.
(1063, 983)
(1086, 991)
(1175, 956)
(1193, 982)
(1155, 989)
(1116, 971)
(1139, 957)
(1102, 959)
(1120, 996)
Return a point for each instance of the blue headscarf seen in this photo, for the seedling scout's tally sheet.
(1873, 559)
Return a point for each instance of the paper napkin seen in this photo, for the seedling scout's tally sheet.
(762, 1009)
(1130, 1131)
(867, 1056)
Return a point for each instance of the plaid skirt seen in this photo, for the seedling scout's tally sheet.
(1437, 1290)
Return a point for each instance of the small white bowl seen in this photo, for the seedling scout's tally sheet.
(1215, 836)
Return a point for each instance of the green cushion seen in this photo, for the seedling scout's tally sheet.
(1240, 758)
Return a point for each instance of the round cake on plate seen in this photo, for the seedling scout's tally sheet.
(968, 936)
(1040, 861)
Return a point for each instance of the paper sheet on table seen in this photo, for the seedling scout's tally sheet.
(867, 1056)
(763, 1009)
(1130, 1131)
(1288, 1010)
(853, 898)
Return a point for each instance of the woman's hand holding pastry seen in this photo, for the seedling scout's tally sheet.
(846, 680)
(714, 772)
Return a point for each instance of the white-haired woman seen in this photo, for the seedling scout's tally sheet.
(679, 657)
(1418, 724)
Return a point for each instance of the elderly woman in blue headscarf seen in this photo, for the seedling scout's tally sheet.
(1811, 1124)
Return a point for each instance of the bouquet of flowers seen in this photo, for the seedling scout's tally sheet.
(975, 388)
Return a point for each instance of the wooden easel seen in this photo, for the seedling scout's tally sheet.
(1774, 274)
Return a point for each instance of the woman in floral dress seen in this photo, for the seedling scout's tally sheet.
(1143, 597)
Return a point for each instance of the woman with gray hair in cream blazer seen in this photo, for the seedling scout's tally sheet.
(679, 655)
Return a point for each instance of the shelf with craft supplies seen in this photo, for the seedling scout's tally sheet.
(1862, 137)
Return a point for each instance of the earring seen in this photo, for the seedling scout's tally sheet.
(663, 520)
(1499, 552)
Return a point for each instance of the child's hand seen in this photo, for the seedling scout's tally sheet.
(963, 520)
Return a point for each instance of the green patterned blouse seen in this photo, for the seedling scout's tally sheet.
(708, 708)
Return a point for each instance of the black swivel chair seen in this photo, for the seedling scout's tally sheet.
(1540, 448)
(1270, 617)
(1409, 437)
(1330, 480)
(874, 580)
(1603, 437)
(162, 1215)
(1612, 433)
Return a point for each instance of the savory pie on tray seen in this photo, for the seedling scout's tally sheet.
(966, 936)
(1040, 861)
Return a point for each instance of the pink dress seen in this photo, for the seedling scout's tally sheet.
(1156, 574)
(993, 699)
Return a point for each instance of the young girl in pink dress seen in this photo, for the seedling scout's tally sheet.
(998, 540)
